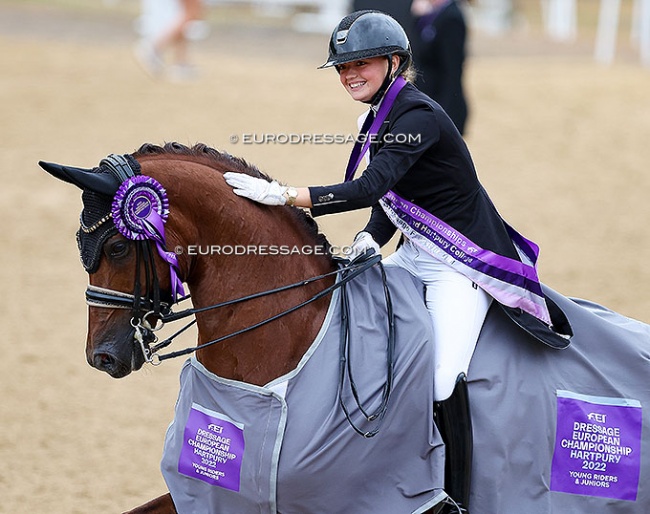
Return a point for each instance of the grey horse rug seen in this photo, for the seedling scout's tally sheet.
(562, 431)
(236, 448)
(555, 431)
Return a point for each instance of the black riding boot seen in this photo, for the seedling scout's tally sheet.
(453, 419)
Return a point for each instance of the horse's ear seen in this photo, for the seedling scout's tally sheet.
(102, 183)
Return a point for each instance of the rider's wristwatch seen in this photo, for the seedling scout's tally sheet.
(291, 194)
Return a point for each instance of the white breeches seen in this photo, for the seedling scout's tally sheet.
(457, 308)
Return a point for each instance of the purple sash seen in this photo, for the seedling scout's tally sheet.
(363, 143)
(511, 282)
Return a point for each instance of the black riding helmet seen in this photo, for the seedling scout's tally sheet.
(366, 34)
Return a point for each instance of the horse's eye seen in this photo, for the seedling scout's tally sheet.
(118, 249)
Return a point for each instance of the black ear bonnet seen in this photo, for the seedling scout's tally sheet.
(98, 186)
(96, 220)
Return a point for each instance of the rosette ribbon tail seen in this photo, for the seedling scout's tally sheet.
(155, 226)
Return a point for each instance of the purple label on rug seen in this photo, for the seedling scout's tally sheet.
(597, 446)
(213, 447)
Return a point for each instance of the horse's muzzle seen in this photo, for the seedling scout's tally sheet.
(118, 360)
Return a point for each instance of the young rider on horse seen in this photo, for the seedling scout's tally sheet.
(421, 180)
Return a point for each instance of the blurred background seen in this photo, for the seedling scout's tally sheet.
(559, 127)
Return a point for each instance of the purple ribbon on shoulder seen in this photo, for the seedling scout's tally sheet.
(365, 137)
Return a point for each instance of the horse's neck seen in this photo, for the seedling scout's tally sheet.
(245, 246)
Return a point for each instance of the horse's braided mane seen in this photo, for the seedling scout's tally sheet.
(224, 161)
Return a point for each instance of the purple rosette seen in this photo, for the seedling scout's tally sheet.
(140, 209)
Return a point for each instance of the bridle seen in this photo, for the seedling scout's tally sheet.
(149, 313)
(144, 311)
(108, 298)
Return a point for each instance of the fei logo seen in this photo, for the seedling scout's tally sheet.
(218, 429)
(597, 417)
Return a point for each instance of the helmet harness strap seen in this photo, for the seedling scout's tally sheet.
(388, 79)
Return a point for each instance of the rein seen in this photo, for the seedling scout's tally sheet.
(145, 333)
(108, 298)
(345, 273)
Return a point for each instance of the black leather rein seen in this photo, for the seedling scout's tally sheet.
(106, 298)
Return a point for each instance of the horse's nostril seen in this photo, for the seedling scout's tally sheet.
(103, 361)
(111, 364)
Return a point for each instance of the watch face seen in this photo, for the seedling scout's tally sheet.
(292, 194)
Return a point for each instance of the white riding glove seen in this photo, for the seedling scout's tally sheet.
(363, 243)
(256, 189)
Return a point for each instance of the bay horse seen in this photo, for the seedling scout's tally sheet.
(523, 461)
(225, 248)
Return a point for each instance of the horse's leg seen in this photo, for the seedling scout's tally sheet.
(161, 505)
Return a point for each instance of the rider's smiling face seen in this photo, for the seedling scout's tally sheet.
(363, 78)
